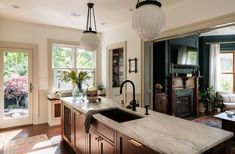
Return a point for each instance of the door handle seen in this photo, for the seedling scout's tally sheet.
(30, 87)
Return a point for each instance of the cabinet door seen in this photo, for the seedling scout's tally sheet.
(105, 147)
(67, 123)
(79, 132)
(93, 144)
(126, 145)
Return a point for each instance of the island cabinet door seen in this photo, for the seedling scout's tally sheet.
(67, 123)
(105, 147)
(79, 132)
(93, 144)
(99, 145)
(127, 145)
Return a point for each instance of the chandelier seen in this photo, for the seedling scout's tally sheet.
(90, 40)
(148, 19)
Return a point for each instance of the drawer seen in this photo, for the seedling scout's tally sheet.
(103, 130)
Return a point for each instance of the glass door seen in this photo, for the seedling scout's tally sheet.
(15, 87)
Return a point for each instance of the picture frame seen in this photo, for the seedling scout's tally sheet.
(133, 65)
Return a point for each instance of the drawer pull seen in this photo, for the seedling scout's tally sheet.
(98, 138)
(136, 143)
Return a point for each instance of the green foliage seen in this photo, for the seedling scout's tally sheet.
(206, 95)
(85, 59)
(16, 63)
(100, 86)
(73, 76)
(62, 57)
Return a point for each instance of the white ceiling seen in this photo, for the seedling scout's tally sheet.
(58, 12)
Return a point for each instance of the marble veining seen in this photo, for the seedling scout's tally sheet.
(160, 132)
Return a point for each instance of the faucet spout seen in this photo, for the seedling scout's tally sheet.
(133, 98)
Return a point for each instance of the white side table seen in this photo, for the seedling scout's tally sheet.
(54, 112)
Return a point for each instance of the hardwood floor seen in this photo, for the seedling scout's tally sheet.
(53, 134)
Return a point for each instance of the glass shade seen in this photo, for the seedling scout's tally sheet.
(89, 41)
(148, 21)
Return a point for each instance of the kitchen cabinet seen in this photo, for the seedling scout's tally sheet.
(54, 112)
(104, 138)
(79, 132)
(73, 131)
(101, 139)
(67, 123)
(127, 145)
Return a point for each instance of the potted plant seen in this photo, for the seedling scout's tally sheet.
(205, 98)
(77, 79)
(101, 90)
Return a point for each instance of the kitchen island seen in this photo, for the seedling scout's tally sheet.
(157, 132)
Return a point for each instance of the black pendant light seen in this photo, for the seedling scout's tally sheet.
(90, 39)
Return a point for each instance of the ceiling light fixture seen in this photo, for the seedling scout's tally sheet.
(15, 6)
(90, 40)
(148, 19)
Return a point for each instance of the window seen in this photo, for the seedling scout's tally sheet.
(66, 57)
(227, 72)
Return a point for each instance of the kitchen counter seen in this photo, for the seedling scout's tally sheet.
(160, 132)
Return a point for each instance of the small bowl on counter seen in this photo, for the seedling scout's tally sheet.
(92, 95)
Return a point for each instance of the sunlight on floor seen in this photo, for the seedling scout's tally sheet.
(55, 139)
(41, 144)
(7, 136)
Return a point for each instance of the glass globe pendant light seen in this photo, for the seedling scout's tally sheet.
(90, 40)
(148, 19)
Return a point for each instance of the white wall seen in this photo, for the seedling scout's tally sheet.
(13, 31)
(192, 11)
(117, 35)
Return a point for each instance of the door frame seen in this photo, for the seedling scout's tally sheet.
(34, 48)
(109, 50)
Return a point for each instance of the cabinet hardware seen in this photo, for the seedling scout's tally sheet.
(98, 138)
(136, 143)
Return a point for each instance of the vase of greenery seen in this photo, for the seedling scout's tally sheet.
(77, 79)
(205, 98)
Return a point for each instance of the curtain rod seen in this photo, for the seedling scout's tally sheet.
(221, 42)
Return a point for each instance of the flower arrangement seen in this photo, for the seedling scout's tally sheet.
(76, 78)
(158, 86)
(72, 75)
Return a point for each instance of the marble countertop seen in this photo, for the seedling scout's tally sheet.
(160, 132)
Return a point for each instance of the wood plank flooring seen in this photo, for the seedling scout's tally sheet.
(53, 134)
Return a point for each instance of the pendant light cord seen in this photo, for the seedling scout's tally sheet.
(89, 15)
(94, 18)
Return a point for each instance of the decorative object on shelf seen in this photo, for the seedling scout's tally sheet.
(90, 40)
(77, 79)
(148, 19)
(158, 87)
(133, 65)
(101, 89)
